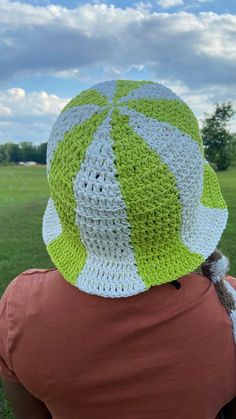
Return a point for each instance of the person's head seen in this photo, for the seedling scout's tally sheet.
(133, 201)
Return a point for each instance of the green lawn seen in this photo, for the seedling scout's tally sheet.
(23, 196)
(228, 243)
(5, 411)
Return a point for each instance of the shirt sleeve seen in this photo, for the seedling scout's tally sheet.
(6, 335)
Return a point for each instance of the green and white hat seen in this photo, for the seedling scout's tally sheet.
(133, 201)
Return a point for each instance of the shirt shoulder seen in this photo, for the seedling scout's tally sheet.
(14, 307)
(31, 290)
(37, 271)
(25, 283)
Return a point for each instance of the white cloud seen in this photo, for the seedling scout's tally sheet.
(73, 73)
(27, 116)
(16, 131)
(18, 103)
(196, 52)
(166, 4)
(19, 14)
(142, 6)
(4, 110)
(205, 1)
(196, 49)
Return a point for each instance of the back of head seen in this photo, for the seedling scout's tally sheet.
(133, 202)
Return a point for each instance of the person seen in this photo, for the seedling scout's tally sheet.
(138, 318)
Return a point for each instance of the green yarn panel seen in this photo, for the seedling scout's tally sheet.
(211, 195)
(123, 87)
(153, 211)
(66, 163)
(174, 112)
(87, 97)
(68, 256)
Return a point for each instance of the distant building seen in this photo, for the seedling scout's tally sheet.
(27, 163)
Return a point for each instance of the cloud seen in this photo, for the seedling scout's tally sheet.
(143, 5)
(19, 103)
(27, 116)
(25, 130)
(166, 4)
(73, 73)
(199, 50)
(4, 110)
(193, 52)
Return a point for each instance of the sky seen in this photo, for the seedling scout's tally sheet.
(52, 50)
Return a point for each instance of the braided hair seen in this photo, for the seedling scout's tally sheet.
(215, 268)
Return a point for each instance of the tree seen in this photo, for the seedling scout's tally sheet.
(232, 149)
(13, 151)
(27, 151)
(41, 153)
(216, 137)
(4, 156)
(24, 151)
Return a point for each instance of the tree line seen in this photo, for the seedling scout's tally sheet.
(219, 143)
(22, 152)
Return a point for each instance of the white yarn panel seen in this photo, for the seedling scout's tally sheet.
(65, 122)
(51, 223)
(150, 91)
(205, 230)
(110, 277)
(102, 220)
(201, 226)
(107, 88)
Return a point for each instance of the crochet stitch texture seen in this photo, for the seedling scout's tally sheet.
(133, 201)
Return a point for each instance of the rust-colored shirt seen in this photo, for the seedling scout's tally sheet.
(162, 354)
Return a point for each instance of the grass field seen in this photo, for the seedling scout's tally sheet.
(23, 196)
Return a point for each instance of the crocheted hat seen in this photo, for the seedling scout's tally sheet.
(133, 201)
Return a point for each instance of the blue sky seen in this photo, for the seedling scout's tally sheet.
(51, 50)
(217, 6)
